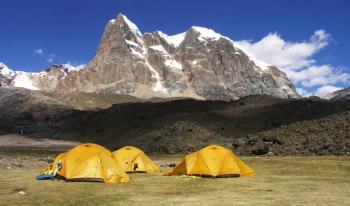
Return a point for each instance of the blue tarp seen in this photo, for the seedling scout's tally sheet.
(45, 177)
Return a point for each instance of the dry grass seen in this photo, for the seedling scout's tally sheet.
(280, 181)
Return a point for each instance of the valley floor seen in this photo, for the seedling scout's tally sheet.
(280, 181)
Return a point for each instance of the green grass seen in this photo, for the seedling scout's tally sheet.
(280, 181)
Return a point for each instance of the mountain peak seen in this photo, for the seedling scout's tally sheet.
(206, 33)
(123, 20)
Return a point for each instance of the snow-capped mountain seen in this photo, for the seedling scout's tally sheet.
(44, 80)
(197, 63)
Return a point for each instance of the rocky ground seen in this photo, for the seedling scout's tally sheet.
(17, 141)
(326, 136)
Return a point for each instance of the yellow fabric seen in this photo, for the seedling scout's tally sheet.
(212, 161)
(90, 161)
(128, 157)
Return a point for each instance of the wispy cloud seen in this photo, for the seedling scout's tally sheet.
(49, 58)
(52, 58)
(39, 51)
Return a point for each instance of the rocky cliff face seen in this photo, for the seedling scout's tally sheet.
(198, 63)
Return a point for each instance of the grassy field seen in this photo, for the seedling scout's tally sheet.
(280, 181)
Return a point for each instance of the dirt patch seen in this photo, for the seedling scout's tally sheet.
(16, 141)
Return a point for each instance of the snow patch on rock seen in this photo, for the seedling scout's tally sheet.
(131, 25)
(158, 87)
(72, 67)
(136, 53)
(174, 40)
(261, 64)
(5, 71)
(131, 43)
(172, 63)
(22, 79)
(169, 60)
(159, 48)
(206, 34)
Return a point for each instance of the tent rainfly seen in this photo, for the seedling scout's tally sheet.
(88, 162)
(133, 159)
(212, 161)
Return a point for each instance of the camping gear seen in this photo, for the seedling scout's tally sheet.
(51, 171)
(87, 162)
(212, 161)
(45, 177)
(132, 159)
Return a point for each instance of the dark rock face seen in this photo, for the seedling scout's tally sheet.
(198, 63)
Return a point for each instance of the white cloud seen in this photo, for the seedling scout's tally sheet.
(39, 51)
(296, 60)
(324, 90)
(48, 57)
(287, 55)
(50, 60)
(318, 76)
(303, 92)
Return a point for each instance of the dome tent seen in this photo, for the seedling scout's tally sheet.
(132, 159)
(212, 161)
(89, 162)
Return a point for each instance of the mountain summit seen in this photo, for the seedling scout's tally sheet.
(198, 63)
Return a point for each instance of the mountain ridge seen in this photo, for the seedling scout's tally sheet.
(198, 63)
(342, 94)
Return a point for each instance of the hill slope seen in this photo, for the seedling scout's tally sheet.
(339, 95)
(252, 125)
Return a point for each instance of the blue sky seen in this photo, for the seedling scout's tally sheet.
(69, 31)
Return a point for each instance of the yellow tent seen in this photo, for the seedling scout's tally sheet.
(88, 162)
(213, 161)
(133, 159)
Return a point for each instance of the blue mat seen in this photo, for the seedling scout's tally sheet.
(45, 177)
